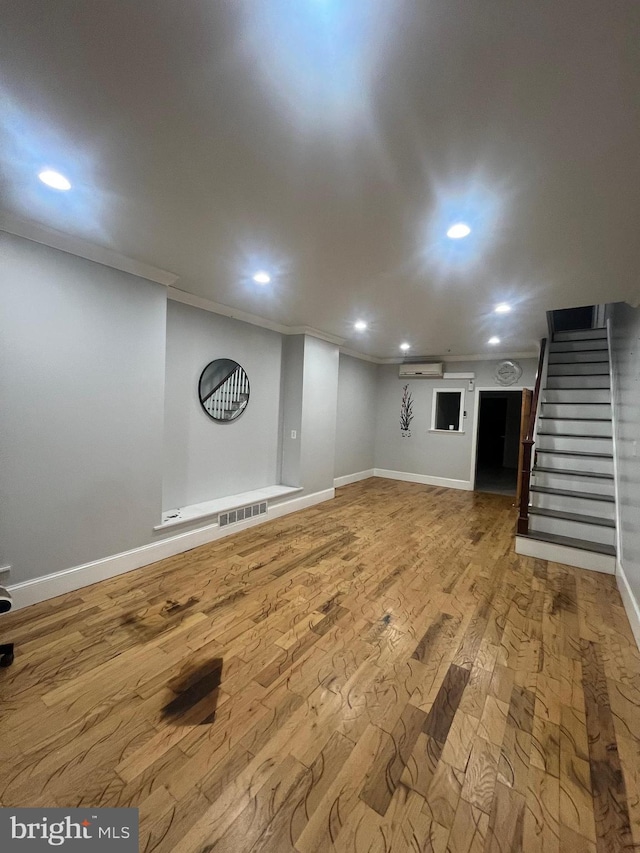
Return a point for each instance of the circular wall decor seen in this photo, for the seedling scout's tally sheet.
(223, 390)
(508, 372)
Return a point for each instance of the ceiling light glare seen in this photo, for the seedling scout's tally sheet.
(54, 180)
(503, 308)
(493, 341)
(458, 231)
(262, 277)
(360, 325)
(405, 347)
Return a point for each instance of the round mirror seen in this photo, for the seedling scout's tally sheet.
(223, 389)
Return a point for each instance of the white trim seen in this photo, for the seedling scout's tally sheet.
(614, 450)
(355, 354)
(590, 560)
(434, 404)
(177, 295)
(629, 601)
(448, 431)
(353, 478)
(68, 580)
(207, 509)
(425, 479)
(83, 249)
(476, 416)
(487, 356)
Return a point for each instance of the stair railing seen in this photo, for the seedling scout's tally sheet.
(228, 394)
(527, 448)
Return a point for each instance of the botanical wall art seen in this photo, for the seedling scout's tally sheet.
(406, 412)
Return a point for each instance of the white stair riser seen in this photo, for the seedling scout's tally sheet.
(581, 506)
(570, 427)
(595, 485)
(580, 335)
(576, 463)
(562, 527)
(574, 444)
(578, 346)
(579, 357)
(578, 381)
(571, 410)
(566, 396)
(600, 368)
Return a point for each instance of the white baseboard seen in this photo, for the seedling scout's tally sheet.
(68, 580)
(566, 555)
(629, 601)
(353, 478)
(425, 479)
(296, 504)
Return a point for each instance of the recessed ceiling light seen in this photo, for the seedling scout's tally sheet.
(503, 308)
(494, 341)
(54, 180)
(262, 277)
(459, 230)
(405, 346)
(360, 326)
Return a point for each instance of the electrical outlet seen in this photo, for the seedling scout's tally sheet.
(294, 433)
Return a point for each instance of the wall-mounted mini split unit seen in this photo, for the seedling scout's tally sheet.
(233, 516)
(421, 371)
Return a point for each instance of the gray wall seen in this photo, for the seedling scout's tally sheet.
(319, 408)
(431, 454)
(81, 388)
(625, 352)
(203, 459)
(291, 393)
(356, 418)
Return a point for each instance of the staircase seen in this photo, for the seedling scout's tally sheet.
(229, 398)
(572, 493)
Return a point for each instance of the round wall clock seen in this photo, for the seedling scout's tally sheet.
(508, 372)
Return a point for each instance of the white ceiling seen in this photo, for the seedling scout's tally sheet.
(332, 142)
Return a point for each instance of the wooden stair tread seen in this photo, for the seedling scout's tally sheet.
(568, 493)
(570, 418)
(569, 542)
(579, 360)
(576, 453)
(572, 473)
(572, 516)
(554, 347)
(574, 435)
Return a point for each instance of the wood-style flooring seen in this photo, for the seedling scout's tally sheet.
(376, 673)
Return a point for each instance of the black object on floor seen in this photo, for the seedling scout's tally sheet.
(6, 654)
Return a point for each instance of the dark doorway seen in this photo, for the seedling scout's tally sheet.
(570, 319)
(498, 441)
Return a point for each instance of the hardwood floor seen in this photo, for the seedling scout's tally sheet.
(377, 673)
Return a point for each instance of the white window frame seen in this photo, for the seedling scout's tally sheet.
(434, 404)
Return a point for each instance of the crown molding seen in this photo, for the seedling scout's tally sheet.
(496, 356)
(108, 257)
(355, 354)
(83, 249)
(177, 295)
